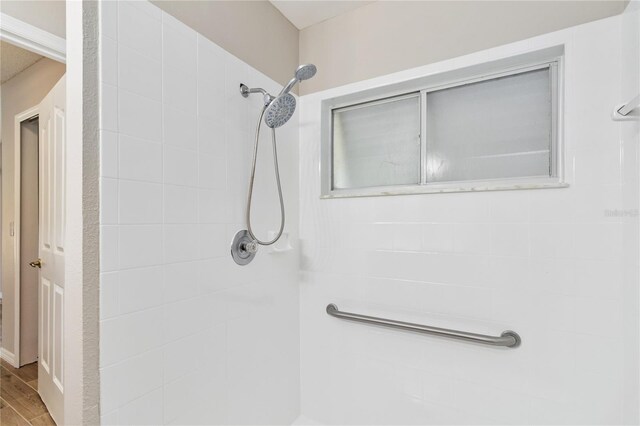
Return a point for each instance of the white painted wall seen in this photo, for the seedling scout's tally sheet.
(81, 267)
(546, 263)
(48, 15)
(186, 335)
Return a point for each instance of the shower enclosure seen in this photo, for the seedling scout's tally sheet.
(347, 317)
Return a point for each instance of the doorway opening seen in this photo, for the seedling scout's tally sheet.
(64, 39)
(28, 244)
(33, 195)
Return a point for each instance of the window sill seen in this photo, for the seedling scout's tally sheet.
(447, 188)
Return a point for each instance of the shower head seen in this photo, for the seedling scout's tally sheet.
(303, 72)
(280, 110)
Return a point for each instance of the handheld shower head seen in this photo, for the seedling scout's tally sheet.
(303, 72)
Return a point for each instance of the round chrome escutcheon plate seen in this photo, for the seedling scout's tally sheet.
(239, 248)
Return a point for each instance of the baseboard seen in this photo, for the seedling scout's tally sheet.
(9, 357)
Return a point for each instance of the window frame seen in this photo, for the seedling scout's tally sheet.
(551, 58)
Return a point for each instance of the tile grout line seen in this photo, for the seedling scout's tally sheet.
(163, 176)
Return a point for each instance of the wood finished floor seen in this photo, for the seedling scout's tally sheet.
(20, 404)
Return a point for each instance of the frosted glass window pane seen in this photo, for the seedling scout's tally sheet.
(377, 144)
(499, 128)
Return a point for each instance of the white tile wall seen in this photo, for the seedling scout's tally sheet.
(546, 263)
(629, 289)
(183, 329)
(188, 337)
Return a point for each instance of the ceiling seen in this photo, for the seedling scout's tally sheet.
(304, 13)
(14, 60)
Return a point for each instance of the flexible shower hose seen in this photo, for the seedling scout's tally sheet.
(251, 180)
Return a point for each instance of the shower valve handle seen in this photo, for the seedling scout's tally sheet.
(251, 247)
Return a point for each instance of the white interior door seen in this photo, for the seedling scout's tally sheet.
(51, 250)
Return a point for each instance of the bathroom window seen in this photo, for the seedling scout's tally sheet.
(377, 143)
(483, 131)
(493, 129)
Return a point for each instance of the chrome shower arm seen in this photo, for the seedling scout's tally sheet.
(246, 91)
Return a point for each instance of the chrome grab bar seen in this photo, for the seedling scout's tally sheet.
(508, 338)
